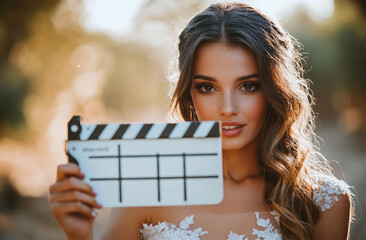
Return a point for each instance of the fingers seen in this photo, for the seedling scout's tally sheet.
(75, 196)
(66, 170)
(71, 184)
(60, 209)
(70, 196)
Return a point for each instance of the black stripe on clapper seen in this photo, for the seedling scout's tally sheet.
(144, 130)
(158, 174)
(120, 131)
(184, 177)
(191, 130)
(97, 131)
(168, 129)
(214, 132)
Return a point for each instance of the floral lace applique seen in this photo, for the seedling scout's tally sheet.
(329, 188)
(167, 231)
(269, 232)
(234, 236)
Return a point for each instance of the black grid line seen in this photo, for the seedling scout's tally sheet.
(152, 178)
(184, 177)
(158, 174)
(158, 177)
(119, 172)
(154, 155)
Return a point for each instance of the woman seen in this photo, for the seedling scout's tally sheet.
(239, 67)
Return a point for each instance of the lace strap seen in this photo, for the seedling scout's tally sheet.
(329, 188)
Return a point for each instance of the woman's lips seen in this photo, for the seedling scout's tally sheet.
(231, 129)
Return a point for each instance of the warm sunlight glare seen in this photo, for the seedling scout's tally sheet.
(115, 17)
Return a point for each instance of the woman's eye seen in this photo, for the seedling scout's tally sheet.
(205, 88)
(250, 87)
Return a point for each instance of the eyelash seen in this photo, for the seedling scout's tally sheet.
(255, 85)
(200, 87)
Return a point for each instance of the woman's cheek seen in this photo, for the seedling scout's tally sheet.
(205, 108)
(254, 108)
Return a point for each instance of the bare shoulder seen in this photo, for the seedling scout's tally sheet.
(126, 222)
(334, 198)
(334, 223)
(327, 191)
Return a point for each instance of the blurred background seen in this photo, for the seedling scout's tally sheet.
(109, 60)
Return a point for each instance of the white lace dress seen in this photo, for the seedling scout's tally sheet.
(263, 226)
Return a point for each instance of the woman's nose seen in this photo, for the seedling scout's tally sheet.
(228, 105)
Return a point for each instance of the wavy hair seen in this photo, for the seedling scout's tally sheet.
(287, 151)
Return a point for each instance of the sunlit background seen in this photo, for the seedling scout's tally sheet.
(110, 60)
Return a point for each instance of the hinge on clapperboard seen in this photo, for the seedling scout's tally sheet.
(73, 133)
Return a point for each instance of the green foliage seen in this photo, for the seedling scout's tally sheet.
(13, 89)
(14, 18)
(335, 53)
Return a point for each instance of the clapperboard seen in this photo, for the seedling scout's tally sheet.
(160, 164)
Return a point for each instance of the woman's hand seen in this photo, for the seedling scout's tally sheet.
(73, 202)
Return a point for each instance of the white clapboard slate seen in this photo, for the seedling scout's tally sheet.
(160, 164)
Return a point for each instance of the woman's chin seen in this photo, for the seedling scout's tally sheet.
(231, 147)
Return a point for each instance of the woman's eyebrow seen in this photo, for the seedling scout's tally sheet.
(254, 75)
(204, 78)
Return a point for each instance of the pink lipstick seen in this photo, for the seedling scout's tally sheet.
(231, 129)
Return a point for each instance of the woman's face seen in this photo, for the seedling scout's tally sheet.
(226, 88)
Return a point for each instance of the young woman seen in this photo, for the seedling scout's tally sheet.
(239, 67)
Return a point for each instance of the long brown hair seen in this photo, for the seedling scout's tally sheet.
(287, 151)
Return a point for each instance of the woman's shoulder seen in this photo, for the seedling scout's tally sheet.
(328, 190)
(334, 197)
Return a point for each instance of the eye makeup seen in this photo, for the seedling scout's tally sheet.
(204, 88)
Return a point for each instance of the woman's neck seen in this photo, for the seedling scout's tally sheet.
(241, 164)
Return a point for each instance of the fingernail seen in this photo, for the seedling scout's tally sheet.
(100, 205)
(94, 212)
(95, 193)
